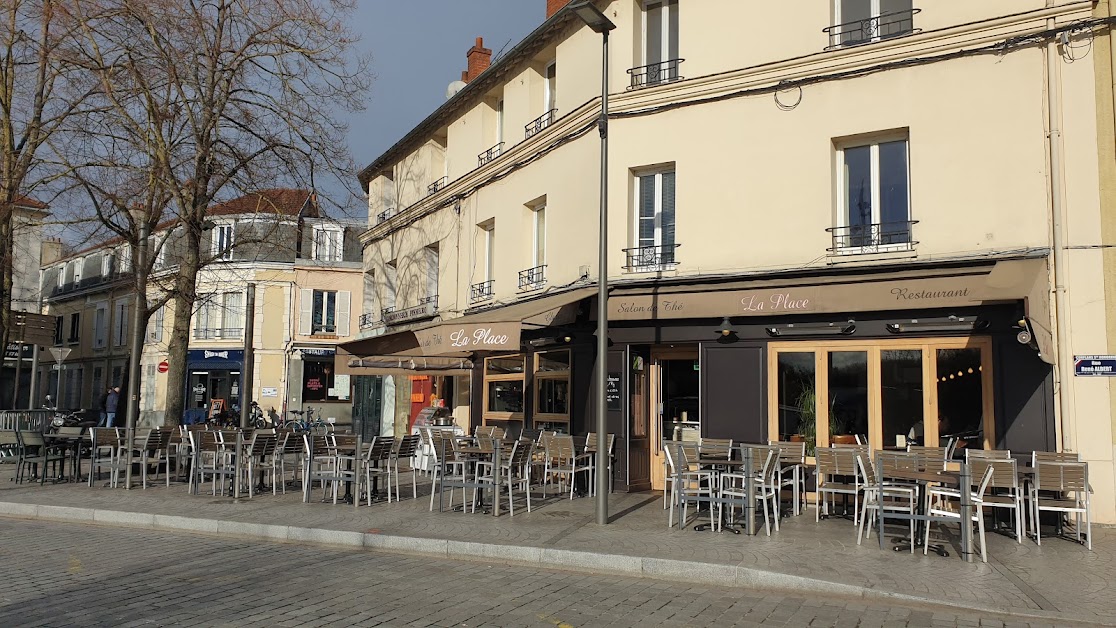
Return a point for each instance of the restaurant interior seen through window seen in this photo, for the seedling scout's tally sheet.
(882, 393)
(552, 388)
(503, 388)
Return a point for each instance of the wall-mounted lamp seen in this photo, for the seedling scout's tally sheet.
(953, 323)
(838, 328)
(1025, 335)
(726, 329)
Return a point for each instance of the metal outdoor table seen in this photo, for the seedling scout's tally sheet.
(464, 484)
(73, 446)
(961, 479)
(749, 491)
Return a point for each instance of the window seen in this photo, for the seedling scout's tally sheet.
(223, 241)
(75, 328)
(552, 387)
(539, 239)
(149, 387)
(124, 254)
(489, 233)
(864, 21)
(160, 255)
(58, 330)
(72, 391)
(500, 121)
(155, 325)
(550, 97)
(100, 327)
(660, 43)
(655, 222)
(327, 244)
(392, 272)
(120, 323)
(62, 275)
(323, 312)
(99, 387)
(232, 312)
(874, 196)
(368, 307)
(431, 253)
(79, 268)
(206, 321)
(503, 388)
(107, 262)
(318, 381)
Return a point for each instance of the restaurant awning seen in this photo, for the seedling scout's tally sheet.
(923, 288)
(446, 346)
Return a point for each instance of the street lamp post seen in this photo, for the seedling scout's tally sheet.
(594, 19)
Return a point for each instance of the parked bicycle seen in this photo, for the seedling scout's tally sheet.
(307, 422)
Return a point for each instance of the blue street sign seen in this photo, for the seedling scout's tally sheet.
(1094, 365)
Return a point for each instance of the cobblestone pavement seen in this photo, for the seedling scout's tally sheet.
(1060, 578)
(63, 574)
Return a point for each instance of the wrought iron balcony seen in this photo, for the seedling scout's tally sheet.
(875, 28)
(482, 291)
(649, 258)
(532, 278)
(322, 328)
(367, 320)
(432, 300)
(385, 215)
(217, 333)
(655, 74)
(437, 185)
(538, 124)
(385, 311)
(873, 238)
(490, 154)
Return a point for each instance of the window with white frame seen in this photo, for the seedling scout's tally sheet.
(551, 96)
(489, 233)
(160, 254)
(873, 195)
(79, 267)
(207, 318)
(223, 239)
(654, 227)
(100, 326)
(61, 275)
(75, 328)
(368, 309)
(155, 325)
(232, 315)
(660, 43)
(327, 243)
(864, 21)
(149, 387)
(538, 244)
(431, 253)
(124, 254)
(391, 276)
(120, 323)
(324, 312)
(107, 262)
(500, 121)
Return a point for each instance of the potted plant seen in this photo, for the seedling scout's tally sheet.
(807, 419)
(839, 427)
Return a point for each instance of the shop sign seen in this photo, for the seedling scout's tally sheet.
(327, 353)
(1094, 365)
(314, 383)
(13, 351)
(268, 391)
(612, 391)
(225, 355)
(198, 389)
(426, 310)
(451, 338)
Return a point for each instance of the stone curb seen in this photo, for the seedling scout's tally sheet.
(717, 574)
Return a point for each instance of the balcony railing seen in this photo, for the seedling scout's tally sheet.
(875, 28)
(215, 333)
(655, 74)
(432, 300)
(648, 258)
(385, 311)
(367, 320)
(532, 278)
(385, 215)
(482, 291)
(437, 185)
(490, 154)
(873, 238)
(539, 123)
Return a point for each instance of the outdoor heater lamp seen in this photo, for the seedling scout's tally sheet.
(953, 323)
(841, 328)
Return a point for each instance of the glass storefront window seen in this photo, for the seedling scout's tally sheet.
(960, 397)
(504, 366)
(553, 361)
(848, 395)
(505, 396)
(552, 386)
(553, 396)
(797, 398)
(901, 397)
(317, 381)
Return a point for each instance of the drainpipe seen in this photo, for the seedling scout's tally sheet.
(1063, 371)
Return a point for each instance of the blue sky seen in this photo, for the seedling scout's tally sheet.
(418, 47)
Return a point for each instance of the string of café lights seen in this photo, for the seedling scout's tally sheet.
(962, 373)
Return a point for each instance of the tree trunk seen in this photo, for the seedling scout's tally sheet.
(7, 242)
(184, 297)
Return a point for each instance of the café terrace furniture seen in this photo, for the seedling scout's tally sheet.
(1061, 484)
(877, 496)
(688, 483)
(516, 469)
(945, 505)
(763, 473)
(792, 471)
(591, 450)
(837, 474)
(404, 452)
(1004, 491)
(563, 461)
(375, 464)
(34, 452)
(104, 445)
(260, 454)
(319, 463)
(448, 468)
(930, 453)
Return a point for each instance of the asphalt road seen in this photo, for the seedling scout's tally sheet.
(58, 574)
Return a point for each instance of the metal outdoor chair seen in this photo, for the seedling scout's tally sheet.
(837, 474)
(1061, 487)
(590, 450)
(941, 504)
(882, 496)
(406, 449)
(764, 473)
(792, 471)
(375, 463)
(104, 448)
(34, 452)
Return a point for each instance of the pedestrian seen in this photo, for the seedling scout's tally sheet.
(111, 401)
(103, 418)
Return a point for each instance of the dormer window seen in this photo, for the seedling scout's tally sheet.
(328, 243)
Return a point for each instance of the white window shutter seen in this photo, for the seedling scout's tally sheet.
(342, 317)
(306, 312)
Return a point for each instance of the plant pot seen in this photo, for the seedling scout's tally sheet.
(842, 439)
(797, 438)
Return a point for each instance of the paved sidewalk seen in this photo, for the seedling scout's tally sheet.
(1060, 579)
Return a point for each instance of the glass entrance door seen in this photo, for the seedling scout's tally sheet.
(677, 414)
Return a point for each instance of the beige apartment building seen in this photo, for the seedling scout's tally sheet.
(879, 218)
(306, 270)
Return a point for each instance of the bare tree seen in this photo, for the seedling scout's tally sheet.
(204, 101)
(40, 89)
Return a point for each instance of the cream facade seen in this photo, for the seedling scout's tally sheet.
(913, 139)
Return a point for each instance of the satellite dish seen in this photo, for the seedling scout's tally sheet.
(453, 88)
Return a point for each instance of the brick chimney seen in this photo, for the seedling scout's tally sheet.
(479, 59)
(554, 6)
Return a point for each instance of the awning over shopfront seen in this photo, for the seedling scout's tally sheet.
(446, 346)
(924, 288)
